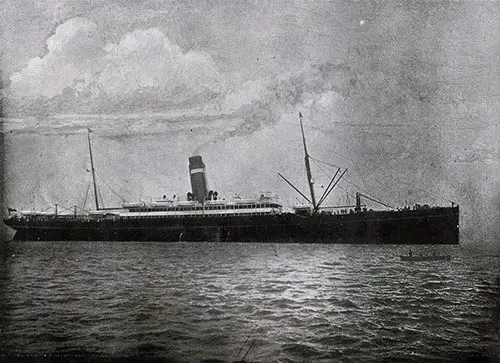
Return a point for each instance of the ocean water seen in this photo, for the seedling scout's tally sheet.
(209, 302)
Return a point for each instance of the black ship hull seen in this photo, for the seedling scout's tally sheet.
(426, 226)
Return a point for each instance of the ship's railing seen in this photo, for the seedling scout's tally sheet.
(208, 206)
(61, 217)
(202, 213)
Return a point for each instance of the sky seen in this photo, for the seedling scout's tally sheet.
(404, 94)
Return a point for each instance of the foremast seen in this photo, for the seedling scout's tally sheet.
(93, 171)
(308, 166)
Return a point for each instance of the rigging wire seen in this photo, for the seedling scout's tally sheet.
(386, 176)
(86, 196)
(327, 175)
(111, 184)
(370, 194)
(112, 190)
(46, 209)
(70, 209)
(348, 194)
(324, 162)
(100, 197)
(363, 190)
(331, 185)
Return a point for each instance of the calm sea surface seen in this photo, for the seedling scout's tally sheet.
(208, 302)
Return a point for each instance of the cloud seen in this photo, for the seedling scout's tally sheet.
(260, 103)
(71, 50)
(263, 102)
(249, 92)
(81, 73)
(147, 58)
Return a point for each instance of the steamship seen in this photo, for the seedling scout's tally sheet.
(204, 216)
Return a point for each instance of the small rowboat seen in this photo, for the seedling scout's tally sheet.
(426, 258)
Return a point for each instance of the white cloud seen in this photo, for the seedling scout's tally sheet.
(78, 66)
(75, 39)
(70, 53)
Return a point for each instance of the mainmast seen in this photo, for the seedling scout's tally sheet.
(329, 188)
(93, 172)
(308, 166)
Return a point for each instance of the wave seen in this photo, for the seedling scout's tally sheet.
(318, 308)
